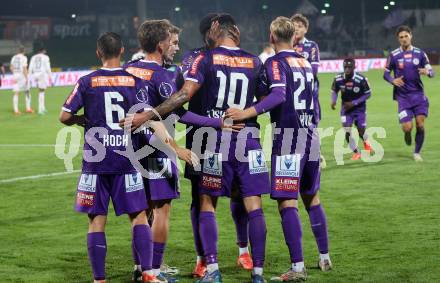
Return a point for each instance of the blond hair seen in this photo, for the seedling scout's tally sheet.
(283, 29)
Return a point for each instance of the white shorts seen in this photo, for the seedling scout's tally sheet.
(20, 83)
(40, 80)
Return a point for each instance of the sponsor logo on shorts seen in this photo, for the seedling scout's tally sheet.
(287, 165)
(87, 183)
(133, 182)
(210, 182)
(403, 114)
(257, 162)
(213, 164)
(286, 184)
(159, 168)
(85, 199)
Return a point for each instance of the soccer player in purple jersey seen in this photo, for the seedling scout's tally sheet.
(295, 151)
(355, 91)
(409, 63)
(238, 211)
(309, 50)
(224, 66)
(154, 37)
(103, 94)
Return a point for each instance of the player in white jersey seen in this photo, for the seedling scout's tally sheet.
(19, 72)
(39, 70)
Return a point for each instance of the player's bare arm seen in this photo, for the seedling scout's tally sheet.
(176, 100)
(70, 119)
(184, 154)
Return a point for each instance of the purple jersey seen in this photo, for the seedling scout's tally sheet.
(407, 64)
(106, 96)
(354, 89)
(292, 75)
(309, 50)
(230, 77)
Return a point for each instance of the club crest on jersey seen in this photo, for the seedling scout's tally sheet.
(142, 95)
(305, 55)
(416, 61)
(356, 89)
(257, 161)
(133, 182)
(165, 89)
(213, 164)
(287, 165)
(87, 183)
(160, 168)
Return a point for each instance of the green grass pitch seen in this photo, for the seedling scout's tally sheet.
(383, 217)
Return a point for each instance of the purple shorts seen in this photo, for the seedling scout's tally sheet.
(250, 173)
(359, 118)
(411, 107)
(292, 174)
(126, 191)
(163, 181)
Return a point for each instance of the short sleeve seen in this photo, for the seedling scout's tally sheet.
(365, 86)
(390, 64)
(75, 101)
(197, 71)
(275, 73)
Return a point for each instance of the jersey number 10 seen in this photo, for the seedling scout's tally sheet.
(234, 78)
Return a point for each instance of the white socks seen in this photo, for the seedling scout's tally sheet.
(298, 266)
(212, 267)
(41, 106)
(244, 250)
(323, 257)
(258, 271)
(15, 102)
(156, 272)
(28, 100)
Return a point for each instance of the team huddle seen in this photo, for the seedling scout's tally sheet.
(226, 89)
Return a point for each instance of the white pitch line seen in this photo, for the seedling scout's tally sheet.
(38, 176)
(34, 145)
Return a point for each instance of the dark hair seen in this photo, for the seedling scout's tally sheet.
(227, 25)
(109, 45)
(205, 22)
(403, 28)
(21, 48)
(152, 32)
(349, 60)
(300, 18)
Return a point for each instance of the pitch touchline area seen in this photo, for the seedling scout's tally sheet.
(38, 176)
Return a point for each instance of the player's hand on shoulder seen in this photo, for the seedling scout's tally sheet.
(399, 81)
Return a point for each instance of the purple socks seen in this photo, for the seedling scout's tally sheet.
(97, 249)
(257, 236)
(195, 212)
(240, 217)
(143, 245)
(208, 235)
(420, 137)
(292, 233)
(158, 251)
(318, 222)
